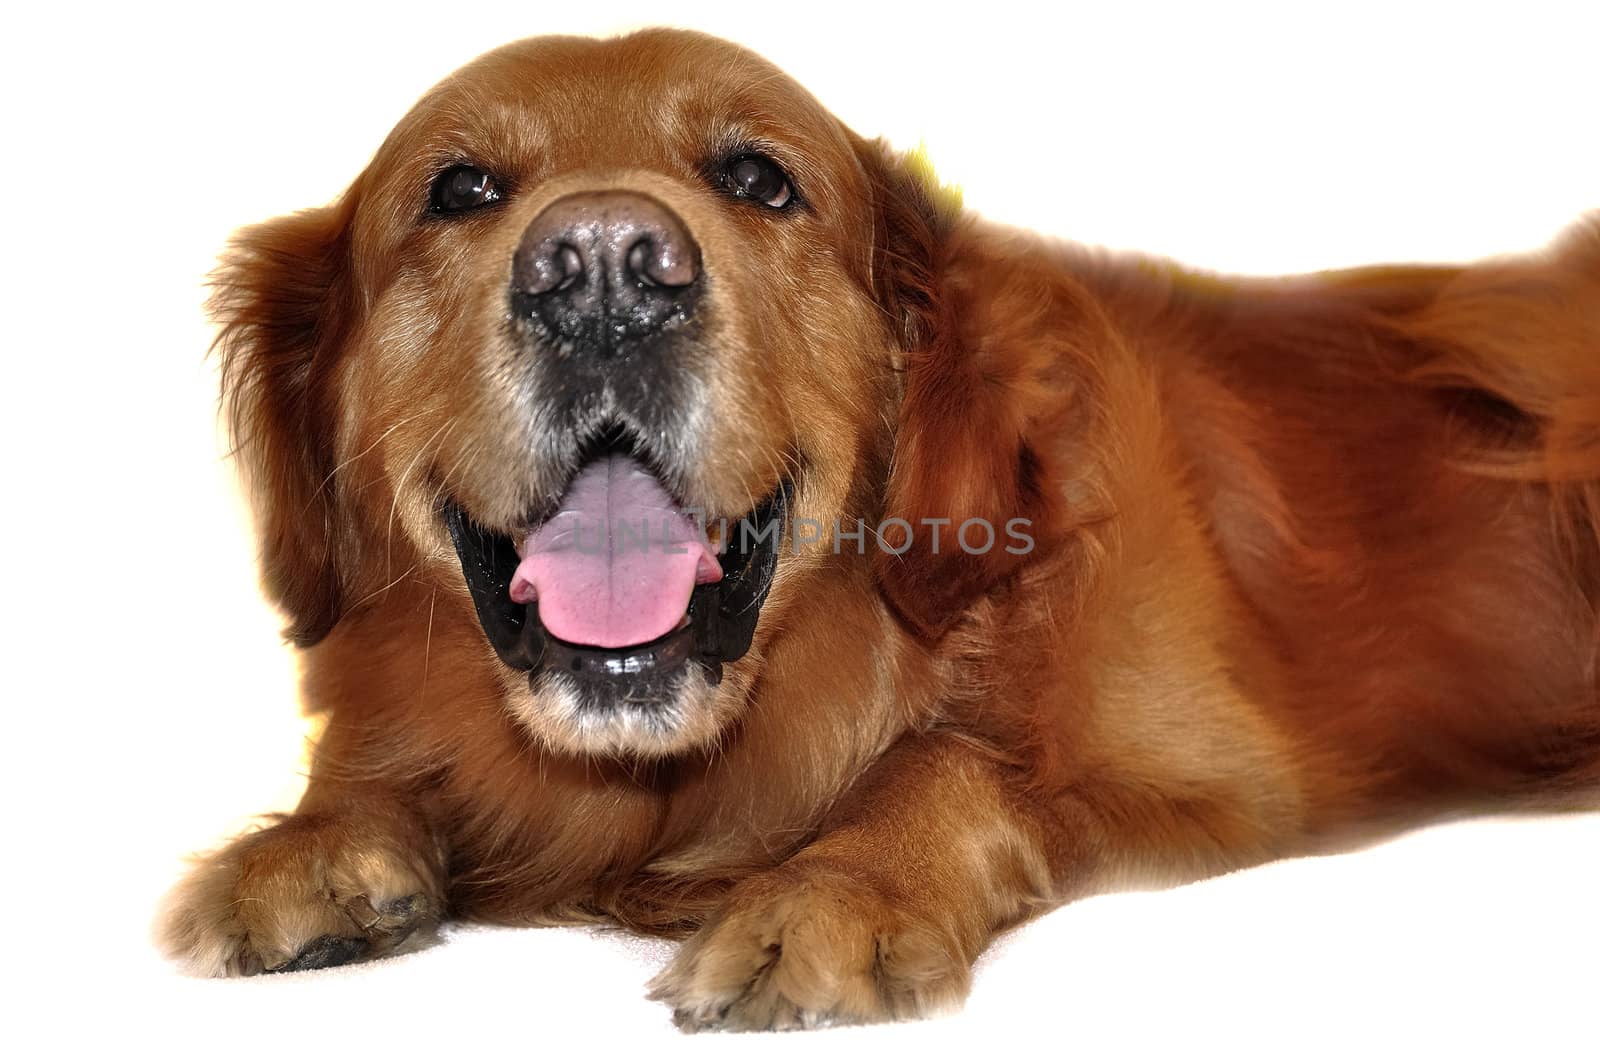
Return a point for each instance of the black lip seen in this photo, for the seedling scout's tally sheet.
(722, 615)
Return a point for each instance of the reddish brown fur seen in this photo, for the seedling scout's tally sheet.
(1315, 557)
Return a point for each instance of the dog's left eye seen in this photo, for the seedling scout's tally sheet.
(462, 188)
(753, 176)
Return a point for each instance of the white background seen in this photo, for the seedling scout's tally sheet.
(149, 708)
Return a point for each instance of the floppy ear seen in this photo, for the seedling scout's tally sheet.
(983, 394)
(281, 299)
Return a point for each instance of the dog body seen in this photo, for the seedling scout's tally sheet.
(1289, 562)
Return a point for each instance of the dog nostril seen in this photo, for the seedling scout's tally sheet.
(656, 266)
(561, 269)
(569, 264)
(639, 265)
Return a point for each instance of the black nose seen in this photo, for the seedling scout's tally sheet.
(603, 268)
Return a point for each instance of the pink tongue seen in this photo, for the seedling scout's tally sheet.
(616, 565)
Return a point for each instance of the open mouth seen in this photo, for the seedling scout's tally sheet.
(620, 587)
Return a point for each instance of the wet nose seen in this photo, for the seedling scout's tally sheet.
(605, 267)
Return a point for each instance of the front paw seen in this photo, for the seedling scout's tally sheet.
(802, 948)
(313, 891)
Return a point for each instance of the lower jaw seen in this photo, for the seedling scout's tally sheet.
(630, 665)
(664, 714)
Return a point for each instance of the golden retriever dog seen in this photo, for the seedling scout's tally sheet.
(692, 520)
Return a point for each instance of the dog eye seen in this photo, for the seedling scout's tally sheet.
(757, 177)
(462, 188)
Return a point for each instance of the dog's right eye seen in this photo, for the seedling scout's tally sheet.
(462, 188)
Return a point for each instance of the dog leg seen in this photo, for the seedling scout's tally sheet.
(881, 917)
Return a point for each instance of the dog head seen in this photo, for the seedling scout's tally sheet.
(598, 326)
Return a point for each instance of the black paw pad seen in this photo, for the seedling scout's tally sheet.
(326, 951)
